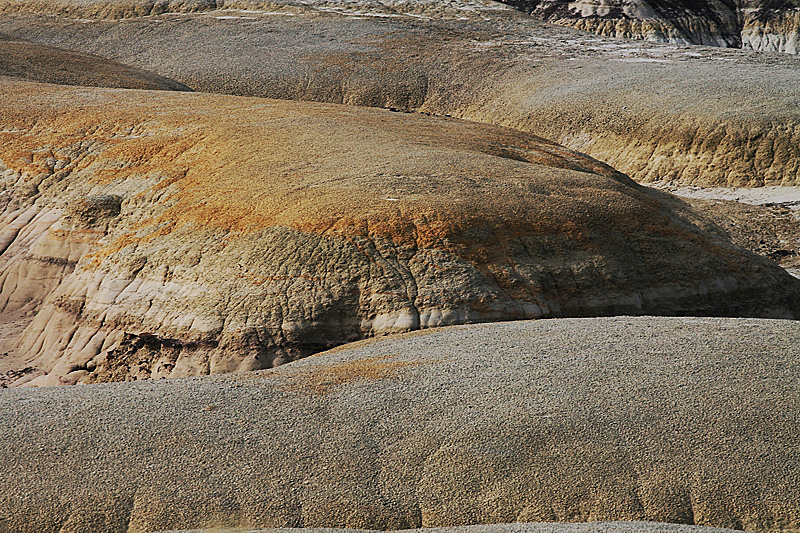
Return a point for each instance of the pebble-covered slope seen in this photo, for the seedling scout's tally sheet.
(172, 234)
(665, 419)
(693, 115)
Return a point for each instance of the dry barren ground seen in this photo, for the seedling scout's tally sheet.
(152, 235)
(694, 115)
(668, 419)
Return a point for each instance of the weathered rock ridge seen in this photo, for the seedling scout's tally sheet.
(762, 25)
(684, 114)
(183, 234)
(681, 420)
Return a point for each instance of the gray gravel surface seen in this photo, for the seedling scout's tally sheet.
(691, 420)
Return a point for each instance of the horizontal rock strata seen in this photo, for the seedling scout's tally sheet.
(690, 115)
(183, 234)
(767, 26)
(688, 421)
(517, 527)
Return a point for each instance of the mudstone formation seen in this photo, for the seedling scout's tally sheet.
(183, 234)
(704, 116)
(762, 25)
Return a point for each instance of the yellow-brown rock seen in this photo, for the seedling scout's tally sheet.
(169, 234)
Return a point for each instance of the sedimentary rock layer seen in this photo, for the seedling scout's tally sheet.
(171, 234)
(690, 421)
(691, 115)
(771, 25)
(517, 527)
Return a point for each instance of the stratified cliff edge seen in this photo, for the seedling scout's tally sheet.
(762, 25)
(170, 234)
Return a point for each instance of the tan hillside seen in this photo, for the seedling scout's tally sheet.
(684, 114)
(167, 234)
(38, 62)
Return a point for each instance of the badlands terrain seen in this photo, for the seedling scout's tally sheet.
(764, 25)
(195, 187)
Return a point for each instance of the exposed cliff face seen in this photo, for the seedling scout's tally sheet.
(691, 115)
(773, 31)
(707, 22)
(184, 234)
(772, 26)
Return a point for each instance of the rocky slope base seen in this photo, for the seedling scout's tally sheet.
(163, 234)
(690, 115)
(762, 25)
(690, 421)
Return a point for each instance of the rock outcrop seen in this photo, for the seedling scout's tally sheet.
(690, 421)
(168, 234)
(762, 25)
(690, 115)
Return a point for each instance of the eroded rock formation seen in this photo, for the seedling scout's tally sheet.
(183, 234)
(690, 115)
(762, 25)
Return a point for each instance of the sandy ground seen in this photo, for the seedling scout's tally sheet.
(566, 420)
(788, 197)
(595, 527)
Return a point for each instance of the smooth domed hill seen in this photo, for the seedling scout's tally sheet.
(38, 62)
(171, 234)
(670, 419)
(694, 115)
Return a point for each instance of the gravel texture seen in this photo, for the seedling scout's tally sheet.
(682, 420)
(593, 527)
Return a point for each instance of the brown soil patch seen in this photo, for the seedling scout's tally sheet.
(321, 379)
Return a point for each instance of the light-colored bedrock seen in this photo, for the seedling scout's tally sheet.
(779, 32)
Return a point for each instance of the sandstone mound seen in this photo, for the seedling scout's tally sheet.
(171, 234)
(693, 115)
(38, 62)
(690, 421)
